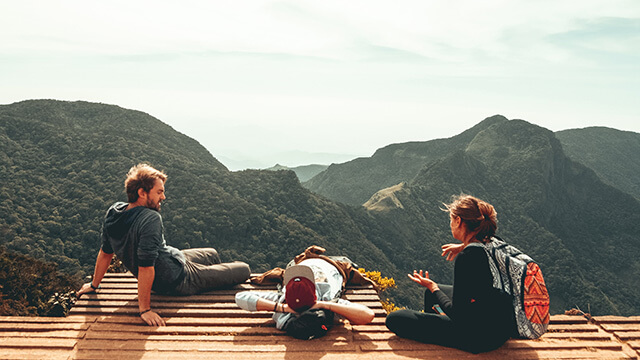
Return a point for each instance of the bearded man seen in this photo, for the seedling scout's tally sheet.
(133, 230)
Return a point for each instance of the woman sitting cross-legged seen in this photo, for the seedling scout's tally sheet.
(477, 317)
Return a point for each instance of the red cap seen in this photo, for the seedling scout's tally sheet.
(300, 294)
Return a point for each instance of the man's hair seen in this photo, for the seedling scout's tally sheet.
(141, 176)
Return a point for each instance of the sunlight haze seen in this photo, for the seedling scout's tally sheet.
(301, 82)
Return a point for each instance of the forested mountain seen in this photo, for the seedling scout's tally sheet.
(63, 163)
(557, 210)
(355, 181)
(583, 232)
(613, 154)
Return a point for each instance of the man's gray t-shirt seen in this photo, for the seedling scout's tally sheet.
(136, 237)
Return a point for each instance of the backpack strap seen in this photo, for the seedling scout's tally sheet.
(498, 279)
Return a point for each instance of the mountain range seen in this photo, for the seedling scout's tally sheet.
(304, 172)
(62, 164)
(549, 202)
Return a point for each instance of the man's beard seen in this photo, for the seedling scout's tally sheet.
(154, 206)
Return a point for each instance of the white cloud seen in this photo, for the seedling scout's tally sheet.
(293, 27)
(429, 68)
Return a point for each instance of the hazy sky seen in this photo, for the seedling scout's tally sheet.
(298, 82)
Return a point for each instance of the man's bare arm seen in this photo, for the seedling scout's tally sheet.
(357, 314)
(146, 274)
(102, 264)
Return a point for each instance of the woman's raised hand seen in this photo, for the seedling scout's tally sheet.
(451, 250)
(423, 279)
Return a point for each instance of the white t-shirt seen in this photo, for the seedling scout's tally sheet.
(324, 272)
(328, 285)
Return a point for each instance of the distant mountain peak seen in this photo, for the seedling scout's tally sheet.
(303, 172)
(355, 181)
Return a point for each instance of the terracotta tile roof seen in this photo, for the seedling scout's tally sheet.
(106, 326)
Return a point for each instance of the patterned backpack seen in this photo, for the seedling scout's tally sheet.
(516, 274)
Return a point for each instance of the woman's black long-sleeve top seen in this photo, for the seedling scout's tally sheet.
(477, 309)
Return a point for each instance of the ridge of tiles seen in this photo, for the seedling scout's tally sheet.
(106, 326)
